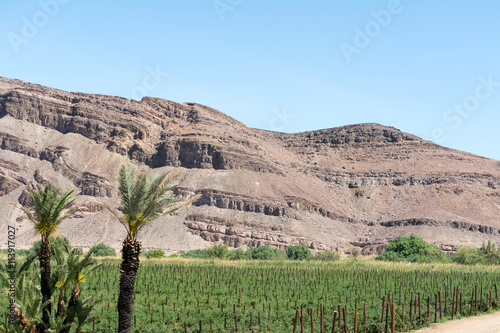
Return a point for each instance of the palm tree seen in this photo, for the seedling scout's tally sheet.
(26, 298)
(50, 211)
(79, 266)
(60, 278)
(144, 199)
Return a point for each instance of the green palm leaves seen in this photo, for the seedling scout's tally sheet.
(146, 198)
(49, 212)
(49, 209)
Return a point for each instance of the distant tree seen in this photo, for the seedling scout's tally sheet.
(102, 250)
(238, 254)
(219, 251)
(487, 254)
(490, 253)
(264, 252)
(326, 256)
(412, 249)
(468, 255)
(195, 254)
(298, 252)
(154, 254)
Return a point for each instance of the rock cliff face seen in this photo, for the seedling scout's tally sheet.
(357, 185)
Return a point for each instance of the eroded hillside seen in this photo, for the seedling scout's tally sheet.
(357, 185)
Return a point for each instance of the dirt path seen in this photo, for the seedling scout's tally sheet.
(483, 324)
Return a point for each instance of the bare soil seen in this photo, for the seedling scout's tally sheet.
(483, 324)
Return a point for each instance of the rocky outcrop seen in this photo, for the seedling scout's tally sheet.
(12, 143)
(94, 185)
(452, 224)
(215, 230)
(289, 207)
(352, 134)
(351, 180)
(7, 184)
(239, 202)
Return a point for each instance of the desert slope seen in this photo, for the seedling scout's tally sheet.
(356, 185)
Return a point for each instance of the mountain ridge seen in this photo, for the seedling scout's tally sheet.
(334, 188)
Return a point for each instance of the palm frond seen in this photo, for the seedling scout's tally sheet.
(126, 183)
(48, 208)
(145, 198)
(60, 203)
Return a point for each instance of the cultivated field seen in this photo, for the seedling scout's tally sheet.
(178, 295)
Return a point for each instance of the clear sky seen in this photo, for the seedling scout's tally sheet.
(429, 67)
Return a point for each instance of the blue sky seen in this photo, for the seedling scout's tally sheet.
(430, 68)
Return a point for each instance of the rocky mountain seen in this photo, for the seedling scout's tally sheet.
(357, 185)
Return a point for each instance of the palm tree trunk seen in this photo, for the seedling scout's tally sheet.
(22, 318)
(75, 294)
(44, 257)
(129, 269)
(60, 303)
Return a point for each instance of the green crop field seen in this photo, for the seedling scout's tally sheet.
(178, 295)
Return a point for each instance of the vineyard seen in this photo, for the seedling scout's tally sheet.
(176, 295)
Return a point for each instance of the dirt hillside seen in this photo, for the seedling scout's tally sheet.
(357, 185)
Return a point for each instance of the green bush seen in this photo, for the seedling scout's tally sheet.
(152, 254)
(54, 241)
(355, 251)
(298, 252)
(325, 256)
(412, 249)
(486, 255)
(221, 251)
(195, 254)
(264, 252)
(238, 254)
(218, 251)
(102, 250)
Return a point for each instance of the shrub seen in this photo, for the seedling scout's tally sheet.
(195, 254)
(54, 241)
(152, 254)
(467, 255)
(264, 252)
(412, 249)
(326, 256)
(298, 252)
(486, 254)
(238, 254)
(490, 254)
(218, 251)
(221, 251)
(102, 250)
(355, 251)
